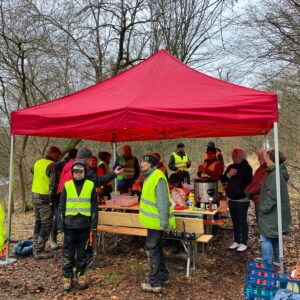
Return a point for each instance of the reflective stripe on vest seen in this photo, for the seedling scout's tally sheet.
(212, 168)
(78, 204)
(41, 182)
(149, 214)
(181, 162)
(128, 172)
(218, 154)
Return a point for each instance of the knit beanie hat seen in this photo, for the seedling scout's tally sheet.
(150, 157)
(84, 153)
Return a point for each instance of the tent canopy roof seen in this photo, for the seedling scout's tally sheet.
(160, 98)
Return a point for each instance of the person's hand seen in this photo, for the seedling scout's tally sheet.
(188, 164)
(231, 172)
(179, 170)
(201, 168)
(118, 170)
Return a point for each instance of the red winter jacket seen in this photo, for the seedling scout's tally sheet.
(253, 189)
(66, 175)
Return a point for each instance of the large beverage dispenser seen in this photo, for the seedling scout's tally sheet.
(206, 188)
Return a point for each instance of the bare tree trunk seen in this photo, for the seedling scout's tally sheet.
(22, 177)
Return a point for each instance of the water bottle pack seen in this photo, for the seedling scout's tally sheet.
(181, 235)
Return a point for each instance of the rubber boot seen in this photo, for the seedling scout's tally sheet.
(67, 284)
(81, 281)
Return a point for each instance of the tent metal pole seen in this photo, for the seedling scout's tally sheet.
(115, 158)
(278, 196)
(10, 198)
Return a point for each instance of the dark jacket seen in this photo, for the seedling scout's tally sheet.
(99, 180)
(235, 186)
(79, 221)
(267, 220)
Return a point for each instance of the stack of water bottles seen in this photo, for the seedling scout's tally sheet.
(262, 282)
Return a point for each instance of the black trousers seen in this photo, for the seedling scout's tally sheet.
(238, 212)
(75, 243)
(158, 271)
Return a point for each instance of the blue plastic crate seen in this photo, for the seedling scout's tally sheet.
(263, 273)
(259, 265)
(258, 281)
(253, 293)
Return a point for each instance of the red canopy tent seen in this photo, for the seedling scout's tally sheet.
(161, 98)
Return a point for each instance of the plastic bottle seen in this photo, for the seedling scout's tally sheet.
(191, 201)
(210, 204)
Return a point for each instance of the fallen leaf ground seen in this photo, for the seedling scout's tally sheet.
(220, 274)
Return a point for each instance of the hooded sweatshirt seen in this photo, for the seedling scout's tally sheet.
(236, 185)
(267, 220)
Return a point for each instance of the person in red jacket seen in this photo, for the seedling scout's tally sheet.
(253, 189)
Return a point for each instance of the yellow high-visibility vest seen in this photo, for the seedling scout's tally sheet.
(78, 204)
(128, 172)
(149, 214)
(41, 182)
(180, 162)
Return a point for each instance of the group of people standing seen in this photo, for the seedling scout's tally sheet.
(241, 187)
(65, 196)
(65, 199)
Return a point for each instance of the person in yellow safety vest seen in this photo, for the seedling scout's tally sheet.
(44, 189)
(131, 170)
(180, 163)
(78, 215)
(156, 214)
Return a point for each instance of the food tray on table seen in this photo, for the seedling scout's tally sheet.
(124, 200)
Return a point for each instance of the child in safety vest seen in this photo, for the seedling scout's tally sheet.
(77, 216)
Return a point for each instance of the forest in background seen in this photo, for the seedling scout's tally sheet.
(49, 49)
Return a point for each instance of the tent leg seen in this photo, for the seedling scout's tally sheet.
(10, 198)
(115, 158)
(278, 196)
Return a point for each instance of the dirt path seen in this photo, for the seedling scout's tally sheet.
(220, 274)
